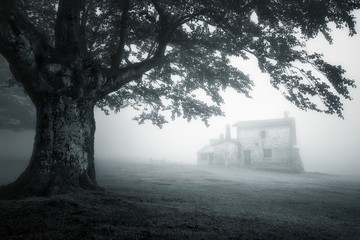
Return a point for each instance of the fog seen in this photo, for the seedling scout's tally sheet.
(327, 143)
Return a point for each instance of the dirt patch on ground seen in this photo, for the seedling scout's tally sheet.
(151, 201)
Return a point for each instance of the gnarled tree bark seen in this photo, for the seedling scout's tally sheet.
(63, 155)
(64, 87)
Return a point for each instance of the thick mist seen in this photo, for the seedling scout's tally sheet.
(327, 143)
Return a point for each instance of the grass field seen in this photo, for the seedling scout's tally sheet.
(154, 201)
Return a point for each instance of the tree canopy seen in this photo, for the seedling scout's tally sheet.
(158, 56)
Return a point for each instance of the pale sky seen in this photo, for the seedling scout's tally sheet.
(327, 143)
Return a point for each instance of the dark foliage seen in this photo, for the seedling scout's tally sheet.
(180, 50)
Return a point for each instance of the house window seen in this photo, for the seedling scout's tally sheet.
(267, 153)
(262, 134)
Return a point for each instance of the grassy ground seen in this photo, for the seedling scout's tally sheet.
(153, 201)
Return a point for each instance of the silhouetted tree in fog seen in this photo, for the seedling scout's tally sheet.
(70, 55)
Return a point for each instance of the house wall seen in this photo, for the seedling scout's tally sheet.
(277, 139)
(226, 153)
(205, 158)
(265, 144)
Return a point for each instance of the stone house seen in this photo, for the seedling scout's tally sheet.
(221, 151)
(261, 144)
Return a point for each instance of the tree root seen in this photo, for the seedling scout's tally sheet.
(34, 185)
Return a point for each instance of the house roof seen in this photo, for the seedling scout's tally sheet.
(268, 122)
(220, 140)
(210, 148)
(224, 140)
(288, 121)
(206, 149)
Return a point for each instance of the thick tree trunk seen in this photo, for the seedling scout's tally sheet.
(63, 155)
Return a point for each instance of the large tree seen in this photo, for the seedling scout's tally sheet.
(156, 56)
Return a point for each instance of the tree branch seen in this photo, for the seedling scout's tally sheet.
(187, 18)
(24, 47)
(120, 77)
(67, 31)
(119, 54)
(83, 22)
(165, 31)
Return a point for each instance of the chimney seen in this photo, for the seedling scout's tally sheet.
(228, 132)
(286, 114)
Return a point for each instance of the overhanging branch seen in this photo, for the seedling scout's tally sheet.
(117, 78)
